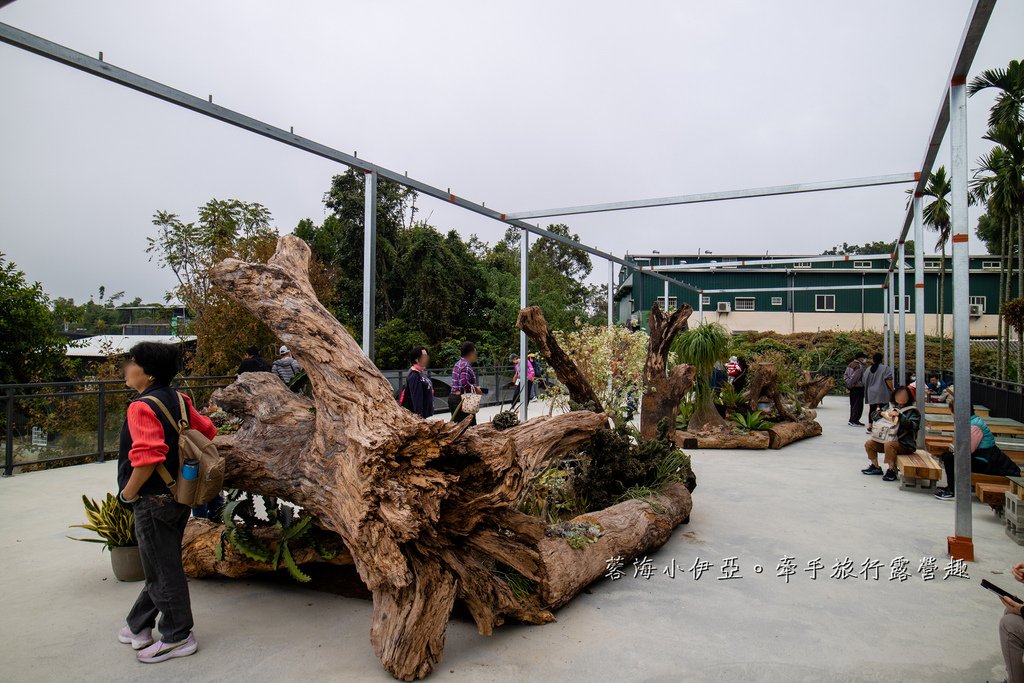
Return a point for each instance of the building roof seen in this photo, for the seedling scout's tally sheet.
(104, 345)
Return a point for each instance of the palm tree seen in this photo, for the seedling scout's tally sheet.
(702, 347)
(998, 183)
(1008, 108)
(936, 215)
(1002, 182)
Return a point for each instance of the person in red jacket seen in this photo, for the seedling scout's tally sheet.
(148, 440)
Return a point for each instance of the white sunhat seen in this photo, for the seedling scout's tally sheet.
(283, 350)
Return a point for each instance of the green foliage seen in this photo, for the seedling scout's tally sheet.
(617, 461)
(727, 396)
(112, 521)
(394, 340)
(442, 289)
(577, 534)
(876, 247)
(601, 353)
(1013, 313)
(520, 586)
(293, 530)
(506, 419)
(752, 421)
(31, 350)
(702, 346)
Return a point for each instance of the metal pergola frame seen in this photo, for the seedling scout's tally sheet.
(952, 110)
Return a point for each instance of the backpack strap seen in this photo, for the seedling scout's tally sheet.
(161, 469)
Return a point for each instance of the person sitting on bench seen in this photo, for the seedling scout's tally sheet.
(905, 416)
(986, 458)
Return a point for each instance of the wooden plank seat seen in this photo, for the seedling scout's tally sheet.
(918, 470)
(992, 494)
(943, 409)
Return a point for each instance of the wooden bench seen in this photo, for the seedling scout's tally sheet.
(1013, 448)
(919, 470)
(993, 494)
(943, 409)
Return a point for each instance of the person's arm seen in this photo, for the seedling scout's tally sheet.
(148, 447)
(200, 422)
(976, 436)
(909, 420)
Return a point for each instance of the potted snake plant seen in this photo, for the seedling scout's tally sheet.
(114, 523)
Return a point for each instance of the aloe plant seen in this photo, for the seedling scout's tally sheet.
(294, 528)
(113, 522)
(752, 421)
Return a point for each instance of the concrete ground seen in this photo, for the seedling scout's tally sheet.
(60, 605)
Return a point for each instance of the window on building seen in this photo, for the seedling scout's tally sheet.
(776, 301)
(705, 300)
(990, 265)
(862, 264)
(743, 303)
(824, 302)
(978, 300)
(906, 304)
(802, 264)
(932, 265)
(673, 303)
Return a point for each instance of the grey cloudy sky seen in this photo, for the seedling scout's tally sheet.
(522, 105)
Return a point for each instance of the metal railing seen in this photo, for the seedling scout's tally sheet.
(46, 422)
(80, 420)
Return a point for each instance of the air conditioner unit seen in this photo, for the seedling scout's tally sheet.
(977, 310)
(724, 306)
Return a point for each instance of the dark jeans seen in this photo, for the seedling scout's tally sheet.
(458, 415)
(159, 525)
(856, 403)
(989, 460)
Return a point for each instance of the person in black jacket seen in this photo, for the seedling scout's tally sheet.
(418, 394)
(907, 419)
(253, 362)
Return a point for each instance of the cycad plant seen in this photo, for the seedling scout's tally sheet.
(113, 522)
(702, 347)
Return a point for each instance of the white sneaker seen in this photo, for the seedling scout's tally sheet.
(161, 651)
(138, 640)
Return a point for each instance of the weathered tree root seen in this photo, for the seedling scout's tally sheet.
(428, 510)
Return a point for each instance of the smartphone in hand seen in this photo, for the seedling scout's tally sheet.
(985, 583)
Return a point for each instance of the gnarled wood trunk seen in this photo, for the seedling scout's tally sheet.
(428, 510)
(663, 390)
(532, 322)
(785, 433)
(814, 388)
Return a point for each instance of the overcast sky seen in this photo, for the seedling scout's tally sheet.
(522, 105)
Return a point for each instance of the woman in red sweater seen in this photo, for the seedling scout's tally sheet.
(148, 440)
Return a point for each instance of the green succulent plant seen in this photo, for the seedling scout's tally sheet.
(240, 520)
(752, 421)
(112, 521)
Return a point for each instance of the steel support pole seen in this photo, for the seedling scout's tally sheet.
(919, 368)
(611, 294)
(961, 297)
(370, 265)
(892, 328)
(700, 307)
(666, 297)
(903, 316)
(524, 283)
(885, 324)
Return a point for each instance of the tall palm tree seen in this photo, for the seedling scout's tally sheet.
(1004, 169)
(936, 215)
(1008, 108)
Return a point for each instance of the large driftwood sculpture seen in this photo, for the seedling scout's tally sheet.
(664, 390)
(426, 509)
